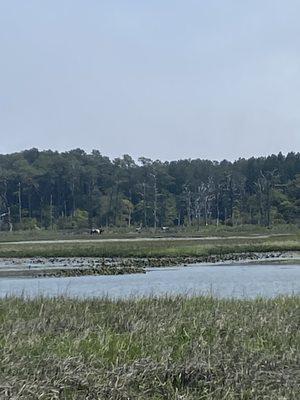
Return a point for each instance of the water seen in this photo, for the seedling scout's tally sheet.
(238, 281)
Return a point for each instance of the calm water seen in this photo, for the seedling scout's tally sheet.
(237, 281)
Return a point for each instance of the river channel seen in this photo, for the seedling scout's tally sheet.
(224, 281)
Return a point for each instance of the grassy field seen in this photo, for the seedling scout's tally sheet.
(152, 248)
(169, 348)
(111, 232)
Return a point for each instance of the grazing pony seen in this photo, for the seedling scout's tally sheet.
(96, 231)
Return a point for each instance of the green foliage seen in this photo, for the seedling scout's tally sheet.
(50, 187)
(78, 221)
(27, 224)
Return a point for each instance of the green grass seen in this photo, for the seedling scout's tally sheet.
(161, 248)
(169, 348)
(115, 232)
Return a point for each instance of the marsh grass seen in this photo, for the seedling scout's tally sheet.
(156, 348)
(150, 248)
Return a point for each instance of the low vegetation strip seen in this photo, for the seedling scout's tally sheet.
(115, 233)
(68, 267)
(167, 348)
(72, 272)
(178, 248)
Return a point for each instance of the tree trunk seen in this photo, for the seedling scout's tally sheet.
(51, 211)
(10, 225)
(129, 219)
(73, 198)
(116, 204)
(20, 202)
(206, 210)
(145, 204)
(7, 207)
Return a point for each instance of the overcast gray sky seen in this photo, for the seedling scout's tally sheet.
(163, 79)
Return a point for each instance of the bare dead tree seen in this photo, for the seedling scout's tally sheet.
(143, 194)
(198, 207)
(265, 184)
(3, 196)
(51, 211)
(188, 200)
(20, 202)
(217, 199)
(155, 192)
(144, 204)
(203, 201)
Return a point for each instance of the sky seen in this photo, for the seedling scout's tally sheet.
(164, 79)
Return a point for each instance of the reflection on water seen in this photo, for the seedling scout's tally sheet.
(239, 281)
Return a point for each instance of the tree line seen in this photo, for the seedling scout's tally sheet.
(76, 190)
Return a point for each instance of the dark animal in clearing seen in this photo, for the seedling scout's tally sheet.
(96, 231)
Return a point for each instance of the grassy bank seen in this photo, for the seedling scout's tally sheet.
(171, 348)
(151, 248)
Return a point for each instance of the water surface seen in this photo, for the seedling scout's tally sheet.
(238, 281)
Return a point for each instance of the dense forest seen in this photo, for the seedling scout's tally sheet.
(76, 190)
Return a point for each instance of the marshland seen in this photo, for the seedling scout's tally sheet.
(158, 345)
(149, 200)
(153, 348)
